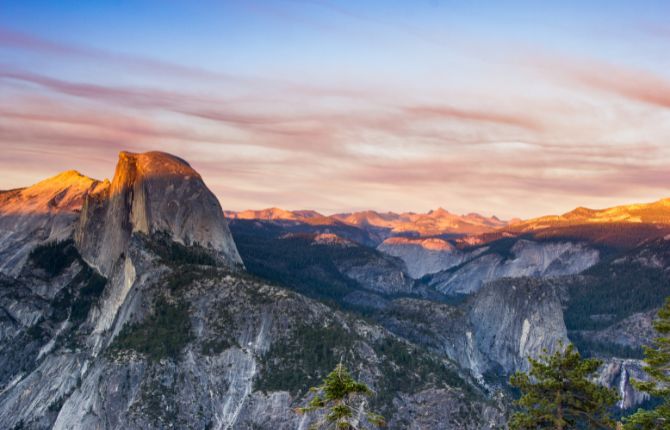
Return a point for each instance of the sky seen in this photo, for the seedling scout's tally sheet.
(512, 108)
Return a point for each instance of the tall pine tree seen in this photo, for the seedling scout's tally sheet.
(342, 402)
(657, 366)
(558, 394)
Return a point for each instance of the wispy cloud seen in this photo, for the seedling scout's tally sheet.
(625, 81)
(261, 140)
(449, 112)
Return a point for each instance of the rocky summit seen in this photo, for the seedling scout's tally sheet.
(152, 193)
(135, 303)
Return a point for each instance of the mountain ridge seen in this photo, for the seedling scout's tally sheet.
(435, 222)
(40, 213)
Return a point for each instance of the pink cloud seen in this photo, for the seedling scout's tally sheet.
(18, 40)
(449, 112)
(630, 83)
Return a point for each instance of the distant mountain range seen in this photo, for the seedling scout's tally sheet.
(473, 229)
(433, 223)
(649, 213)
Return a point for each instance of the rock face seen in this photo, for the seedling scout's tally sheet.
(44, 212)
(150, 193)
(523, 258)
(423, 256)
(492, 333)
(513, 319)
(618, 374)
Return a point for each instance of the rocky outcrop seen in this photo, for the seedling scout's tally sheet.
(445, 403)
(44, 212)
(151, 193)
(423, 256)
(618, 374)
(521, 258)
(492, 333)
(513, 319)
(377, 272)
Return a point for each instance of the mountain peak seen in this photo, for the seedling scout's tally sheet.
(43, 212)
(153, 192)
(440, 211)
(61, 181)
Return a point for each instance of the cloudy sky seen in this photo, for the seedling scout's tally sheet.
(513, 108)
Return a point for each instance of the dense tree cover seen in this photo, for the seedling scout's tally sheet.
(299, 361)
(343, 401)
(611, 292)
(173, 253)
(296, 262)
(557, 394)
(407, 369)
(74, 301)
(620, 286)
(163, 334)
(657, 366)
(594, 348)
(54, 257)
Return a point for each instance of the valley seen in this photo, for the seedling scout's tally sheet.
(140, 303)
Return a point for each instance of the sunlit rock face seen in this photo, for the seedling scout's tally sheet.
(44, 212)
(152, 192)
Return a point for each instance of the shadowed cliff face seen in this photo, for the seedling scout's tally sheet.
(519, 258)
(152, 192)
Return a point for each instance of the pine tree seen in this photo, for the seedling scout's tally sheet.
(657, 366)
(343, 400)
(558, 394)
